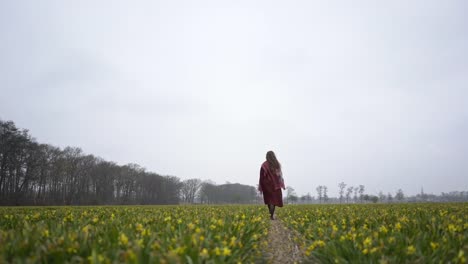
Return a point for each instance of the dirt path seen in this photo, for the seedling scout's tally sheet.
(281, 247)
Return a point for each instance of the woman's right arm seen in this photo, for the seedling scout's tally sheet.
(260, 189)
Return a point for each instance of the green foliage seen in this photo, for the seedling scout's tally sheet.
(134, 234)
(376, 233)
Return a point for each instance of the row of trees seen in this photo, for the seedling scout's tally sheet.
(196, 191)
(357, 195)
(40, 174)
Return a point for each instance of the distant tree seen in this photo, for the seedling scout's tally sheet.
(228, 193)
(209, 192)
(342, 186)
(422, 195)
(291, 193)
(389, 197)
(374, 198)
(349, 191)
(292, 199)
(361, 192)
(400, 195)
(319, 192)
(325, 196)
(190, 190)
(356, 189)
(381, 197)
(303, 199)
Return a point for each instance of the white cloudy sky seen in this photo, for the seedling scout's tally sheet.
(365, 92)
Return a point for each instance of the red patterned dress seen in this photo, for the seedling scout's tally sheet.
(270, 185)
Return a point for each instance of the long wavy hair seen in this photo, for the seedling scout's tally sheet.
(273, 161)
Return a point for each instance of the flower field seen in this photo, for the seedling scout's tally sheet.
(395, 233)
(132, 234)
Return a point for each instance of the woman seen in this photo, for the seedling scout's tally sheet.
(271, 182)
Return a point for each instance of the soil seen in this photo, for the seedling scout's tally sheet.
(281, 246)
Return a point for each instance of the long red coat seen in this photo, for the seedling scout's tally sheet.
(270, 185)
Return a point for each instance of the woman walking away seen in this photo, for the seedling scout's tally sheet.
(271, 182)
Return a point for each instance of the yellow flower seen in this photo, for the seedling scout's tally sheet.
(434, 245)
(204, 253)
(139, 227)
(398, 226)
(217, 251)
(320, 243)
(155, 246)
(85, 229)
(123, 239)
(131, 255)
(365, 251)
(95, 220)
(98, 259)
(452, 228)
(335, 228)
(71, 250)
(140, 242)
(145, 232)
(45, 233)
(411, 250)
(226, 251)
(233, 241)
(367, 242)
(461, 256)
(383, 229)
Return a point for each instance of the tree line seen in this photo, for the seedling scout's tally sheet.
(32, 173)
(356, 194)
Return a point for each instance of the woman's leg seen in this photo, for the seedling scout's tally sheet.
(270, 208)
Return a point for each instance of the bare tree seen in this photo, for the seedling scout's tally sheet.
(382, 197)
(349, 191)
(361, 192)
(389, 197)
(356, 189)
(40, 174)
(189, 190)
(319, 192)
(400, 195)
(290, 195)
(325, 196)
(342, 186)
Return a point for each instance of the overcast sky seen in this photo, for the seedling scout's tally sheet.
(365, 92)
